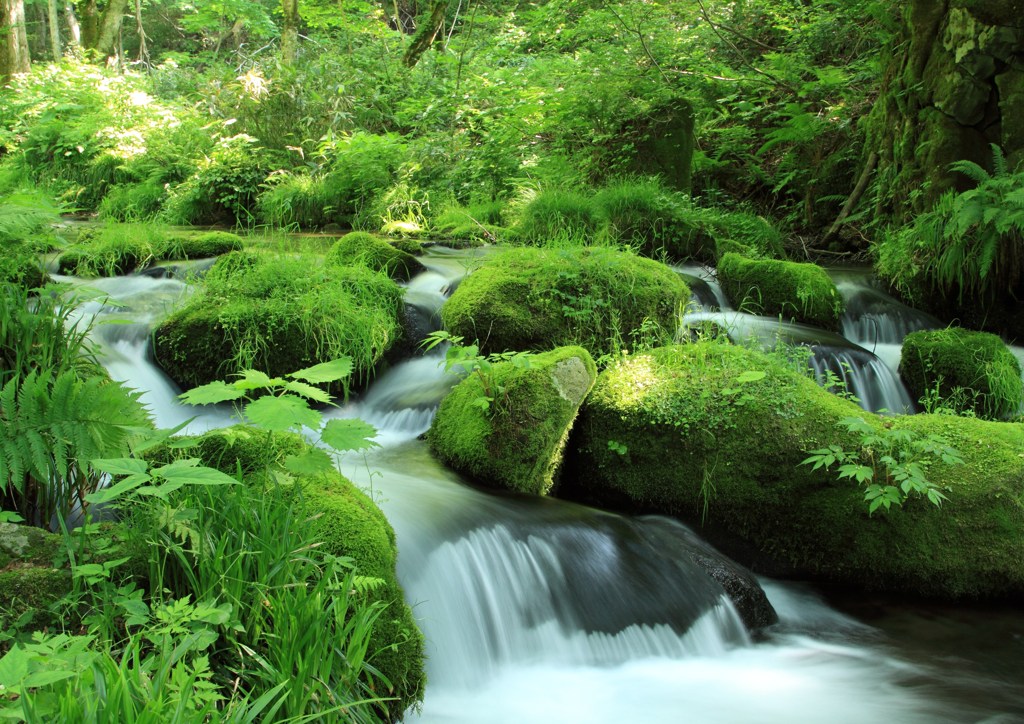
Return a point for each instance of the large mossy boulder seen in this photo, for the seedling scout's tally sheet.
(802, 292)
(515, 441)
(278, 315)
(536, 299)
(359, 247)
(715, 434)
(968, 371)
(29, 582)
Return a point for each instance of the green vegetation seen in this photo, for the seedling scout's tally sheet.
(969, 372)
(535, 299)
(690, 414)
(803, 292)
(257, 311)
(515, 440)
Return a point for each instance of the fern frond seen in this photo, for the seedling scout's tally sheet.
(971, 170)
(999, 166)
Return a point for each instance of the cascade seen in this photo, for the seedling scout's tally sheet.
(536, 610)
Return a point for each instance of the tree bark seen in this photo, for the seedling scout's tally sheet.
(74, 29)
(110, 27)
(53, 19)
(425, 36)
(289, 31)
(14, 57)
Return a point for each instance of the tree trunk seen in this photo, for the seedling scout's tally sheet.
(53, 19)
(289, 31)
(14, 57)
(74, 29)
(110, 27)
(953, 86)
(426, 34)
(90, 28)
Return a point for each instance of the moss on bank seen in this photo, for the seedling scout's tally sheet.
(122, 248)
(517, 443)
(278, 315)
(803, 292)
(522, 299)
(970, 371)
(678, 431)
(362, 248)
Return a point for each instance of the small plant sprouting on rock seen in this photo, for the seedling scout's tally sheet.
(469, 359)
(891, 463)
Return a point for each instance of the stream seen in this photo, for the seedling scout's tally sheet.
(539, 610)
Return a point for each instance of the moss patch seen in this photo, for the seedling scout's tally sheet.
(31, 591)
(517, 444)
(676, 430)
(361, 248)
(522, 299)
(971, 371)
(117, 249)
(803, 292)
(278, 315)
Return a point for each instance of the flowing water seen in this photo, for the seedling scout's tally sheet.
(537, 610)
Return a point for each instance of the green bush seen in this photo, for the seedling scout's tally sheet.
(770, 287)
(973, 372)
(536, 299)
(361, 248)
(474, 223)
(297, 199)
(279, 314)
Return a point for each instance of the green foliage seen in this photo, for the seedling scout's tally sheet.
(468, 359)
(25, 220)
(968, 245)
(480, 222)
(53, 424)
(965, 371)
(557, 214)
(277, 313)
(892, 464)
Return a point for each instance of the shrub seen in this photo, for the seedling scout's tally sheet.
(297, 199)
(557, 214)
(973, 372)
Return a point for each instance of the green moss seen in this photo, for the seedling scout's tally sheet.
(687, 431)
(972, 371)
(522, 299)
(350, 524)
(473, 225)
(31, 591)
(202, 246)
(557, 214)
(27, 544)
(517, 444)
(803, 292)
(278, 315)
(360, 247)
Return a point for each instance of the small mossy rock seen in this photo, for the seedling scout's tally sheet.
(27, 545)
(802, 292)
(971, 371)
(27, 593)
(351, 524)
(279, 315)
(517, 442)
(409, 246)
(240, 450)
(359, 247)
(697, 432)
(536, 299)
(202, 246)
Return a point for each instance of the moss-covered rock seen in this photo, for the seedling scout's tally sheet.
(696, 431)
(516, 443)
(969, 371)
(803, 292)
(359, 247)
(201, 246)
(523, 299)
(117, 249)
(278, 315)
(27, 545)
(28, 592)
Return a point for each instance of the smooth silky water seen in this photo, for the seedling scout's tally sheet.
(538, 610)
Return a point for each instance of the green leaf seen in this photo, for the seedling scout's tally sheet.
(307, 391)
(332, 371)
(105, 495)
(120, 466)
(180, 474)
(255, 380)
(9, 516)
(751, 376)
(312, 462)
(211, 394)
(278, 414)
(349, 434)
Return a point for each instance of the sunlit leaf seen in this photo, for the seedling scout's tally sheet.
(211, 394)
(344, 435)
(278, 414)
(332, 371)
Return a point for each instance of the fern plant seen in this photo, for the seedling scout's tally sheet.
(972, 243)
(51, 426)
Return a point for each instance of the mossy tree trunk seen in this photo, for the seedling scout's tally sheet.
(953, 85)
(100, 28)
(289, 31)
(426, 34)
(14, 57)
